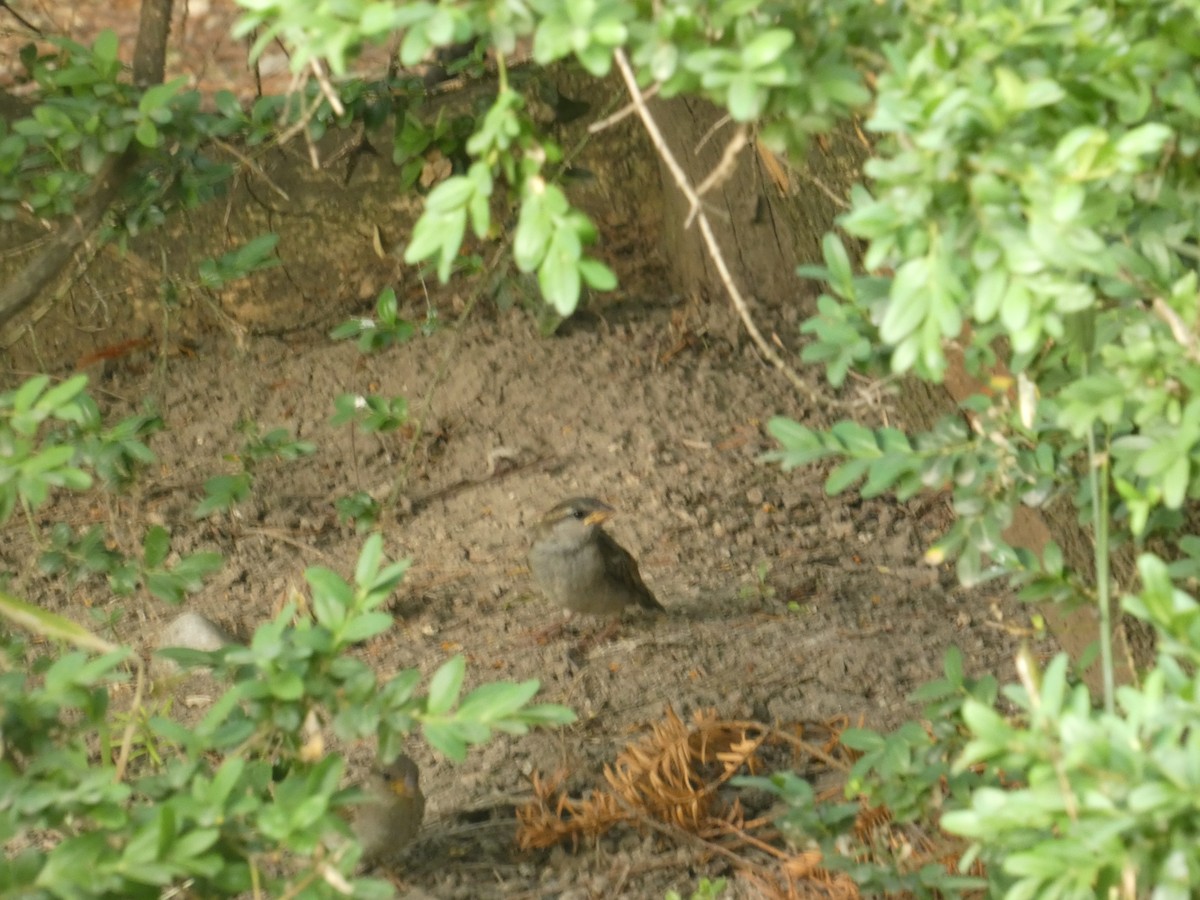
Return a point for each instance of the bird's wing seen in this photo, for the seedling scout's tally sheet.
(620, 563)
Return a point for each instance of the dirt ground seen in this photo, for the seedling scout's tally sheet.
(784, 604)
(675, 448)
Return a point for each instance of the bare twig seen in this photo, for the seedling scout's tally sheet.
(622, 113)
(335, 102)
(824, 189)
(252, 165)
(1179, 329)
(725, 167)
(126, 746)
(16, 15)
(710, 241)
(712, 129)
(301, 124)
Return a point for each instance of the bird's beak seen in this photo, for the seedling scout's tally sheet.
(400, 787)
(599, 516)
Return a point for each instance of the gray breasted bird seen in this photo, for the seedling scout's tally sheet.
(391, 816)
(580, 567)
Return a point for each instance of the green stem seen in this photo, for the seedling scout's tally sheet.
(1098, 484)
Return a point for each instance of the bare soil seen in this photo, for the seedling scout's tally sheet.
(784, 604)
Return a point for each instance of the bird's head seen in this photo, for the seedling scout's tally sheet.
(400, 778)
(573, 522)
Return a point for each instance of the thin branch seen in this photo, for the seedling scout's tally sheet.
(1179, 329)
(335, 102)
(623, 113)
(710, 241)
(720, 174)
(16, 15)
(712, 129)
(820, 186)
(252, 166)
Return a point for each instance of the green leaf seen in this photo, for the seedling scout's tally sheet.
(159, 95)
(532, 237)
(105, 46)
(766, 47)
(449, 196)
(1175, 482)
(331, 595)
(61, 394)
(427, 239)
(548, 714)
(745, 98)
(1148, 138)
(597, 275)
(558, 278)
(801, 445)
(156, 546)
(48, 460)
(255, 255)
(23, 397)
(1043, 92)
(147, 134)
(837, 262)
(365, 626)
(378, 19)
(446, 738)
(908, 303)
(856, 439)
(1017, 308)
(884, 473)
(164, 586)
(455, 227)
(1054, 687)
(445, 685)
(480, 208)
(1076, 152)
(287, 685)
(846, 475)
(369, 560)
(497, 700)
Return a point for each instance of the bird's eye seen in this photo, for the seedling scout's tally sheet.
(578, 514)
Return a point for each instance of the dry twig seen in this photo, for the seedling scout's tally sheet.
(670, 781)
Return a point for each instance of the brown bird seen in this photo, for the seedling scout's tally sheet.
(391, 816)
(580, 567)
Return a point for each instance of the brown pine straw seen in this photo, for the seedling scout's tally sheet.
(673, 781)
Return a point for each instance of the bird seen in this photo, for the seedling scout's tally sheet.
(391, 816)
(580, 567)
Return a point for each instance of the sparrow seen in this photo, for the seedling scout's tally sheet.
(391, 816)
(580, 567)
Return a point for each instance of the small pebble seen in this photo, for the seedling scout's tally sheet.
(191, 631)
(195, 632)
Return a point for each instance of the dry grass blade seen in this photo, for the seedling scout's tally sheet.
(553, 818)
